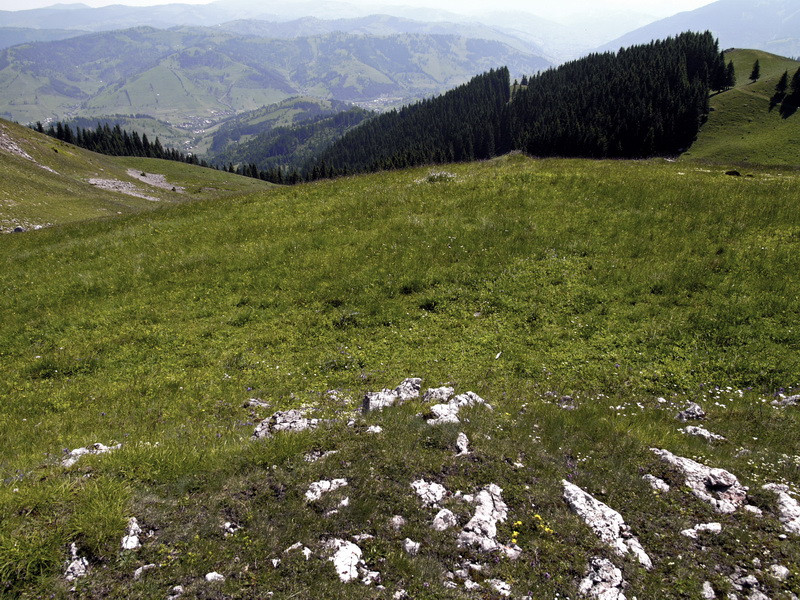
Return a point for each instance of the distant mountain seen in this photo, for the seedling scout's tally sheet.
(11, 36)
(195, 77)
(770, 25)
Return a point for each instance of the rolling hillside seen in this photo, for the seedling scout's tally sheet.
(588, 302)
(743, 127)
(192, 76)
(47, 182)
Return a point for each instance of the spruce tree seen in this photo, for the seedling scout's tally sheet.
(756, 72)
(783, 84)
(730, 76)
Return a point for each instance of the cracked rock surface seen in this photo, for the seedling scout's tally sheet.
(285, 420)
(481, 530)
(429, 492)
(788, 507)
(407, 390)
(77, 566)
(607, 523)
(448, 413)
(718, 487)
(348, 562)
(602, 581)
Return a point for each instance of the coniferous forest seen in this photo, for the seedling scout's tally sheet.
(642, 101)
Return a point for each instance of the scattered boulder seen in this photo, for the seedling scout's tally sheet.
(131, 539)
(481, 530)
(77, 566)
(788, 507)
(411, 547)
(784, 402)
(657, 484)
(692, 412)
(440, 394)
(176, 592)
(317, 489)
(230, 528)
(448, 413)
(214, 576)
(779, 572)
(348, 563)
(397, 522)
(430, 493)
(499, 586)
(137, 574)
(703, 433)
(462, 444)
(374, 429)
(316, 455)
(708, 593)
(288, 420)
(255, 403)
(407, 390)
(607, 523)
(444, 519)
(602, 581)
(718, 487)
(74, 455)
(299, 546)
(712, 528)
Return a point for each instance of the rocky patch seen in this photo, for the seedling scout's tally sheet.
(692, 412)
(348, 562)
(718, 487)
(657, 484)
(319, 488)
(131, 539)
(288, 420)
(448, 413)
(602, 581)
(710, 528)
(74, 455)
(481, 530)
(407, 390)
(156, 180)
(607, 523)
(703, 433)
(430, 493)
(77, 566)
(122, 187)
(788, 507)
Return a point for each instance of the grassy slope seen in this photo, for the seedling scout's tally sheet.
(615, 282)
(742, 129)
(31, 195)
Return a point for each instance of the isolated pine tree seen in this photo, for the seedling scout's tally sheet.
(756, 72)
(730, 76)
(783, 83)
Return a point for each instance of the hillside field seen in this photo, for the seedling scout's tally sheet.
(586, 301)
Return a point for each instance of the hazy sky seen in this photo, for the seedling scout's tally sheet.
(658, 8)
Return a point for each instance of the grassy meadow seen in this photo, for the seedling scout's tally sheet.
(614, 282)
(745, 128)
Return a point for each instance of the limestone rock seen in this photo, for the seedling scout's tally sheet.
(703, 433)
(137, 574)
(374, 429)
(708, 593)
(348, 563)
(692, 412)
(607, 523)
(718, 487)
(430, 493)
(712, 528)
(499, 586)
(318, 488)
(603, 581)
(440, 394)
(76, 454)
(214, 576)
(481, 530)
(299, 546)
(407, 390)
(448, 413)
(462, 444)
(787, 506)
(790, 401)
(230, 528)
(779, 572)
(256, 403)
(176, 592)
(285, 420)
(316, 455)
(657, 484)
(131, 539)
(411, 547)
(444, 519)
(397, 522)
(77, 566)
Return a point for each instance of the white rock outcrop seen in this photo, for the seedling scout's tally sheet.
(500, 586)
(703, 433)
(137, 574)
(788, 507)
(784, 402)
(77, 566)
(708, 593)
(481, 530)
(603, 581)
(319, 488)
(74, 455)
(607, 523)
(712, 528)
(718, 487)
(214, 576)
(407, 390)
(462, 444)
(131, 539)
(692, 412)
(348, 562)
(440, 394)
(444, 519)
(411, 547)
(448, 413)
(431, 493)
(657, 484)
(284, 420)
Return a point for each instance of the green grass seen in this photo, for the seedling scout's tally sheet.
(743, 127)
(615, 282)
(30, 195)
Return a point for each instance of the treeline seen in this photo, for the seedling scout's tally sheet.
(115, 141)
(642, 101)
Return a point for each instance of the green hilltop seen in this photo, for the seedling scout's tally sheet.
(743, 128)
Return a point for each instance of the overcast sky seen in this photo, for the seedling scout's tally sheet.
(546, 8)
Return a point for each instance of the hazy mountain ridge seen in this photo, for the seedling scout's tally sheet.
(205, 73)
(770, 25)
